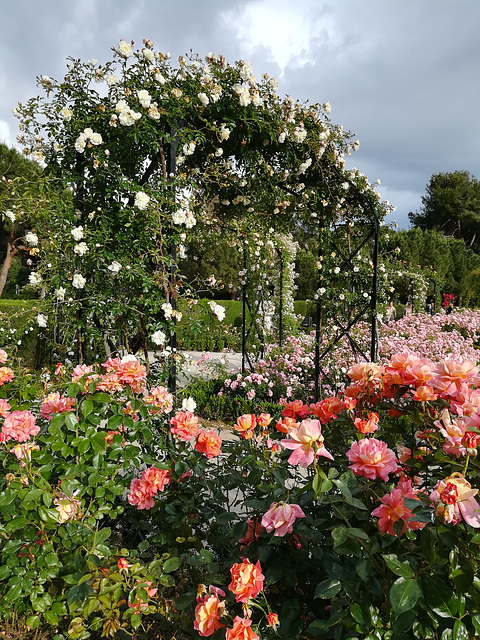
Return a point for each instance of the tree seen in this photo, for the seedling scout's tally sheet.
(445, 261)
(452, 206)
(23, 205)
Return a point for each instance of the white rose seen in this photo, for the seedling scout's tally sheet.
(203, 99)
(10, 215)
(141, 200)
(34, 279)
(60, 293)
(31, 239)
(179, 217)
(114, 267)
(80, 249)
(77, 233)
(96, 138)
(78, 281)
(144, 97)
(167, 309)
(158, 337)
(189, 404)
(66, 114)
(125, 49)
(41, 320)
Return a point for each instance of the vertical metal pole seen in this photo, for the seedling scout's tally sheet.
(373, 300)
(318, 322)
(172, 380)
(244, 309)
(280, 310)
(434, 306)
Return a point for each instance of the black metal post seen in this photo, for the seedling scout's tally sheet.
(280, 309)
(318, 322)
(172, 379)
(373, 299)
(244, 309)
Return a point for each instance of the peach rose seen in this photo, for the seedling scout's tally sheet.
(247, 580)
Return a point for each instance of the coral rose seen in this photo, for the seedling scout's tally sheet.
(207, 614)
(19, 426)
(245, 425)
(185, 425)
(247, 580)
(306, 442)
(6, 375)
(209, 443)
(55, 403)
(241, 630)
(372, 458)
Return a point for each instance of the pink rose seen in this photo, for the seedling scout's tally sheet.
(280, 518)
(372, 458)
(306, 442)
(19, 426)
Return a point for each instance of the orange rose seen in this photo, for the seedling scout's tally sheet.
(241, 630)
(247, 580)
(209, 443)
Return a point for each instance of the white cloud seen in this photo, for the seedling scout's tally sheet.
(5, 135)
(281, 28)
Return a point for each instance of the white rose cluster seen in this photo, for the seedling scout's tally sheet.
(217, 310)
(126, 116)
(78, 281)
(125, 49)
(88, 135)
(243, 94)
(158, 338)
(141, 200)
(34, 279)
(80, 249)
(77, 233)
(10, 215)
(31, 239)
(41, 320)
(114, 267)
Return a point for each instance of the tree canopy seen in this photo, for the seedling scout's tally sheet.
(452, 206)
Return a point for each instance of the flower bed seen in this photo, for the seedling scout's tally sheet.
(354, 517)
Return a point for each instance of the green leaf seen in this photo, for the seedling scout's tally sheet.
(33, 494)
(460, 631)
(327, 588)
(404, 595)
(347, 494)
(102, 398)
(86, 407)
(361, 615)
(15, 524)
(71, 421)
(78, 593)
(14, 592)
(339, 535)
(50, 516)
(185, 601)
(102, 535)
(399, 568)
(172, 564)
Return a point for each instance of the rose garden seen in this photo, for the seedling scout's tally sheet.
(318, 492)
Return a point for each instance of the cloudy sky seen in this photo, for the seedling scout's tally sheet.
(402, 75)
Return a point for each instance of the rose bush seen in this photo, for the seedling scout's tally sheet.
(119, 507)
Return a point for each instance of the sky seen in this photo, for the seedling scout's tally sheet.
(403, 76)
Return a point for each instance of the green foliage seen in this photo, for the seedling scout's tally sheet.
(445, 260)
(452, 206)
